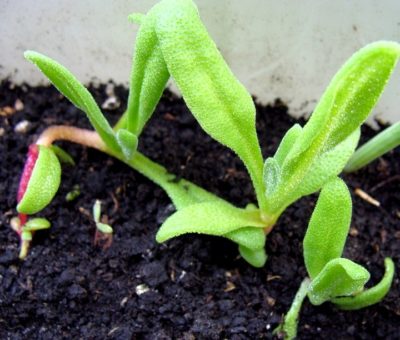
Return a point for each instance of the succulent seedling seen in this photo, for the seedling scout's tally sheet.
(104, 232)
(331, 277)
(173, 42)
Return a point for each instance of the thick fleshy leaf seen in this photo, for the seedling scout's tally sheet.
(369, 296)
(256, 257)
(250, 237)
(220, 103)
(339, 277)
(43, 183)
(128, 143)
(37, 223)
(211, 218)
(149, 74)
(345, 105)
(71, 88)
(328, 228)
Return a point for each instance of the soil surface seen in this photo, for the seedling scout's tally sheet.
(192, 287)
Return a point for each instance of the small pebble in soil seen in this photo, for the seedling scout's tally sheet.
(141, 289)
(22, 126)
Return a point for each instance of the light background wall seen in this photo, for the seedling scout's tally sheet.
(287, 49)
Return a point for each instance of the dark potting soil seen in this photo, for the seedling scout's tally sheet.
(193, 287)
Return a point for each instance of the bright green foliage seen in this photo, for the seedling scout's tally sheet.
(102, 227)
(71, 88)
(369, 296)
(219, 102)
(212, 218)
(328, 228)
(43, 183)
(149, 74)
(339, 277)
(320, 151)
(36, 224)
(333, 278)
(383, 142)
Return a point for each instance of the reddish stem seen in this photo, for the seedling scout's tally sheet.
(33, 153)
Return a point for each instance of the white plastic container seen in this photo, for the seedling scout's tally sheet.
(278, 49)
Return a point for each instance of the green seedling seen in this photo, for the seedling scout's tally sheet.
(173, 42)
(383, 142)
(104, 231)
(331, 277)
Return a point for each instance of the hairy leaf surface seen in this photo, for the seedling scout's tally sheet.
(339, 277)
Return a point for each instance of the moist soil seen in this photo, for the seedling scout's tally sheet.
(192, 287)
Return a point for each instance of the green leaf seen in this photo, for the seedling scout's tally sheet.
(211, 218)
(128, 143)
(71, 88)
(149, 75)
(26, 236)
(218, 101)
(328, 165)
(43, 183)
(345, 105)
(382, 143)
(97, 211)
(339, 277)
(256, 257)
(62, 155)
(328, 228)
(287, 143)
(36, 224)
(250, 237)
(369, 296)
(272, 175)
(104, 228)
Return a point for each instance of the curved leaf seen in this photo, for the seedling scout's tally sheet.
(339, 277)
(43, 183)
(328, 228)
(369, 296)
(256, 258)
(71, 88)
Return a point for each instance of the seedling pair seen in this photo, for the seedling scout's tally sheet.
(331, 277)
(172, 42)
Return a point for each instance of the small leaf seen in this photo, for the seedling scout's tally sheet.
(36, 224)
(73, 194)
(97, 211)
(287, 142)
(249, 237)
(272, 175)
(62, 155)
(339, 277)
(256, 258)
(211, 218)
(369, 296)
(328, 228)
(71, 88)
(43, 183)
(128, 143)
(104, 228)
(149, 74)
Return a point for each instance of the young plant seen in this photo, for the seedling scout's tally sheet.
(173, 42)
(382, 143)
(331, 277)
(104, 231)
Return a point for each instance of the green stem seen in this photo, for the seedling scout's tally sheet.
(385, 141)
(289, 325)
